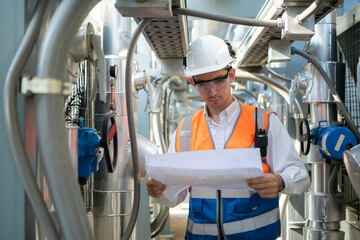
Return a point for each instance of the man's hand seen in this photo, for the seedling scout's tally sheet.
(154, 188)
(267, 186)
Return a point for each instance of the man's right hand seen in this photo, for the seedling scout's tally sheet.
(154, 188)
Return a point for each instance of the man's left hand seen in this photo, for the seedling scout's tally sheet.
(267, 186)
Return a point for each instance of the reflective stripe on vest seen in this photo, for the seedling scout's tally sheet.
(203, 192)
(235, 227)
(242, 210)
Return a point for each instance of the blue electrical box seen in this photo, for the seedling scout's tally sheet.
(88, 146)
(333, 140)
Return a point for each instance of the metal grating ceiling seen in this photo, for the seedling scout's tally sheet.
(258, 53)
(168, 37)
(254, 48)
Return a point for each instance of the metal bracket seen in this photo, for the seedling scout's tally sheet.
(36, 85)
(100, 68)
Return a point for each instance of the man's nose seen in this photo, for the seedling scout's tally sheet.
(212, 89)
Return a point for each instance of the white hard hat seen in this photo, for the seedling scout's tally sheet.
(208, 54)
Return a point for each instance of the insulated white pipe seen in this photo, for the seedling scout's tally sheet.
(309, 11)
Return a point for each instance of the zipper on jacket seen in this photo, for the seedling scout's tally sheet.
(219, 216)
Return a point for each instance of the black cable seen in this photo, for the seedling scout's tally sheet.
(332, 188)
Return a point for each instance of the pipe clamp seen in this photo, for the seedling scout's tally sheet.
(36, 85)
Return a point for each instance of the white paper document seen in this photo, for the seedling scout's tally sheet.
(219, 169)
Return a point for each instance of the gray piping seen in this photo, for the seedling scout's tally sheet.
(50, 122)
(13, 125)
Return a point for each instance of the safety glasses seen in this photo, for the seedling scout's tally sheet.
(217, 83)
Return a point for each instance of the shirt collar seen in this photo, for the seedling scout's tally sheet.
(229, 113)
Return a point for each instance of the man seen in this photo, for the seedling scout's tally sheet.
(222, 124)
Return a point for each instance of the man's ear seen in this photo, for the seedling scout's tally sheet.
(191, 80)
(232, 74)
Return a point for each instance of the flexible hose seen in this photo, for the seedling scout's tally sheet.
(227, 19)
(332, 187)
(132, 129)
(50, 121)
(333, 90)
(272, 72)
(300, 18)
(159, 138)
(159, 223)
(13, 125)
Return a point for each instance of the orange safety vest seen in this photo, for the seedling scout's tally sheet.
(235, 214)
(242, 136)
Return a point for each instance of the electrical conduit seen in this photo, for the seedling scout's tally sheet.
(13, 125)
(50, 122)
(132, 128)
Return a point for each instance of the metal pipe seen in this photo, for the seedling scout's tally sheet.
(227, 19)
(50, 122)
(131, 123)
(13, 125)
(333, 90)
(159, 137)
(300, 18)
(112, 192)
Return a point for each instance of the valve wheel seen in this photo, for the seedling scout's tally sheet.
(305, 137)
(109, 141)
